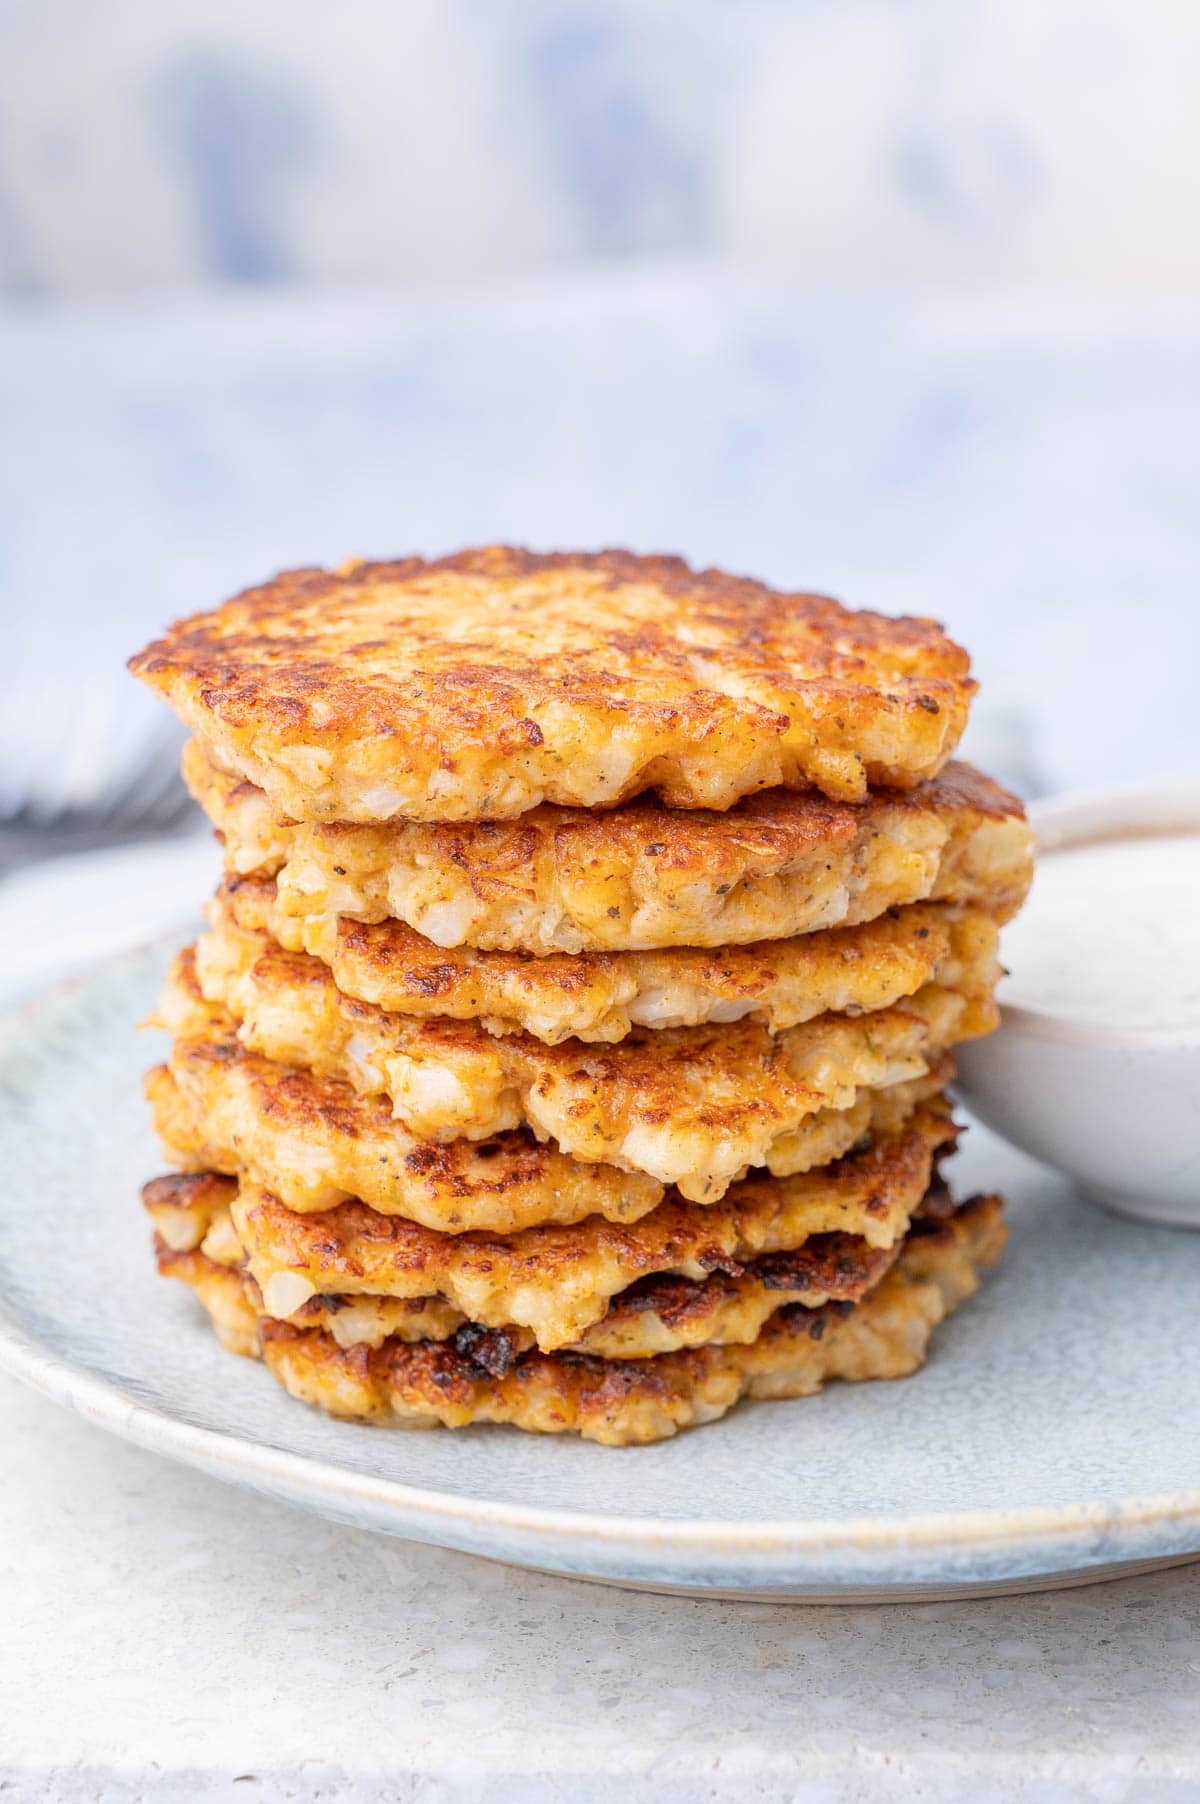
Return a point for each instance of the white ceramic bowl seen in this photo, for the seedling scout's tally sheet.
(1115, 1108)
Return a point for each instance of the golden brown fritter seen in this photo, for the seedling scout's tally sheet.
(234, 1304)
(697, 1117)
(184, 1206)
(638, 879)
(600, 996)
(621, 1402)
(316, 1144)
(478, 686)
(555, 1281)
(660, 1315)
(691, 1106)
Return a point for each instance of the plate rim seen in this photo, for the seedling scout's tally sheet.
(106, 1402)
(238, 1458)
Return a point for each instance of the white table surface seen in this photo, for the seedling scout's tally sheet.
(1028, 472)
(167, 1638)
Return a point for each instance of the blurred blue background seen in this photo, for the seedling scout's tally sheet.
(894, 298)
(190, 143)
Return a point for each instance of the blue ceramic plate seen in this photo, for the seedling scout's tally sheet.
(1054, 1436)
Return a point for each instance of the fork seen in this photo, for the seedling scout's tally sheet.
(83, 767)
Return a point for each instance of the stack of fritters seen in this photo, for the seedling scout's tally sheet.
(569, 1041)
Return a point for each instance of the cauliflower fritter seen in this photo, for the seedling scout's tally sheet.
(478, 686)
(557, 1282)
(638, 879)
(693, 1107)
(690, 1107)
(601, 996)
(475, 1377)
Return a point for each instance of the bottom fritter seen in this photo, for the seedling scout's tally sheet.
(477, 1375)
(682, 1276)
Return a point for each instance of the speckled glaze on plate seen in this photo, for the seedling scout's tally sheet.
(1053, 1438)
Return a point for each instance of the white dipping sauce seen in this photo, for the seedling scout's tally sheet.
(1111, 934)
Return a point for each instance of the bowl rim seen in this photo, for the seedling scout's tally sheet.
(1090, 817)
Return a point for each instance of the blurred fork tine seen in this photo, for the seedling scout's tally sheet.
(74, 782)
(154, 795)
(76, 769)
(148, 774)
(18, 746)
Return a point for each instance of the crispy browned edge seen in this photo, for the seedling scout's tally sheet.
(790, 822)
(473, 1366)
(843, 1265)
(742, 603)
(836, 1261)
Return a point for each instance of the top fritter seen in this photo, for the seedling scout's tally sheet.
(480, 685)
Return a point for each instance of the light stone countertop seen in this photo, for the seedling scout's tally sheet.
(165, 1637)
